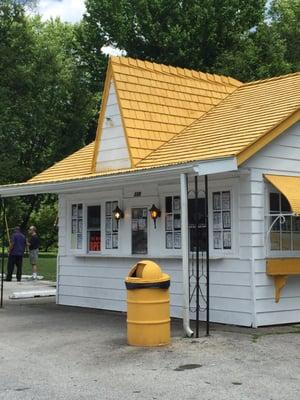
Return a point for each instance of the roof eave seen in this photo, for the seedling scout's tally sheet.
(96, 183)
(268, 137)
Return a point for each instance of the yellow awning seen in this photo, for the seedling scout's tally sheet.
(289, 186)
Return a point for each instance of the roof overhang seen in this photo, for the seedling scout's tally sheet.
(96, 182)
(111, 180)
(218, 166)
(289, 187)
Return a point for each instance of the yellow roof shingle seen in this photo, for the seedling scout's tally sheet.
(75, 166)
(157, 101)
(236, 123)
(173, 115)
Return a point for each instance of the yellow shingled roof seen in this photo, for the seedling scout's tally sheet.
(75, 166)
(247, 118)
(241, 120)
(159, 101)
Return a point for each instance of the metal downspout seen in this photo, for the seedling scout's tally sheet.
(185, 254)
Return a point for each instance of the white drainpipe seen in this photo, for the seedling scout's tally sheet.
(185, 254)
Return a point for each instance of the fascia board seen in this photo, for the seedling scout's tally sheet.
(210, 167)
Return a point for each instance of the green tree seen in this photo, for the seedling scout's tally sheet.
(285, 16)
(46, 106)
(259, 54)
(229, 36)
(184, 33)
(46, 219)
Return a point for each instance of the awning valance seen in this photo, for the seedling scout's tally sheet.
(289, 186)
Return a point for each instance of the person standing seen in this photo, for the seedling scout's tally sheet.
(16, 251)
(33, 245)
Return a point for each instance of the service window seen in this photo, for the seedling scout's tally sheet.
(77, 226)
(222, 233)
(139, 230)
(111, 226)
(285, 232)
(94, 228)
(172, 222)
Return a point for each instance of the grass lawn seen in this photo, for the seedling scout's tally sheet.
(46, 266)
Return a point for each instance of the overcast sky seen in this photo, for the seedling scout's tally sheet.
(67, 10)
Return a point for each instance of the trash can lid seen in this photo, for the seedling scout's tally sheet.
(146, 271)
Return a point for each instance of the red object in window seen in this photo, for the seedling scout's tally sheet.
(95, 241)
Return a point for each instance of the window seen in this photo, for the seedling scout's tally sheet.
(285, 233)
(173, 222)
(201, 224)
(111, 226)
(94, 228)
(139, 230)
(222, 220)
(77, 226)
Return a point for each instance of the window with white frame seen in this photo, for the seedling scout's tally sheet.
(285, 228)
(222, 229)
(94, 228)
(111, 226)
(77, 226)
(172, 222)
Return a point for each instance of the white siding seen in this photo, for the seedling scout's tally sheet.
(113, 150)
(98, 282)
(282, 156)
(241, 292)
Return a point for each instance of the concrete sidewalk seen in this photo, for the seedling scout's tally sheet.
(55, 352)
(27, 286)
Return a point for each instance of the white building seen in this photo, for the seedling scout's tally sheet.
(160, 126)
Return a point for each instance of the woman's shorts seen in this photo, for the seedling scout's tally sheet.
(33, 256)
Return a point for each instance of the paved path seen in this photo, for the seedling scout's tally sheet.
(50, 352)
(27, 286)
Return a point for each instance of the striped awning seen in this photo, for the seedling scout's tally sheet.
(289, 186)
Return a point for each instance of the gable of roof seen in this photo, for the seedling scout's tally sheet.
(239, 126)
(113, 150)
(158, 101)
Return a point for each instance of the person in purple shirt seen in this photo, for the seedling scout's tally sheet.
(15, 254)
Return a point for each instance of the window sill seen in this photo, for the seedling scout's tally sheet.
(139, 256)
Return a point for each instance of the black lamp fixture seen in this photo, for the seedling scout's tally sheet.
(118, 214)
(155, 213)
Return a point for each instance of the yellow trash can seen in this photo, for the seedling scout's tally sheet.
(148, 305)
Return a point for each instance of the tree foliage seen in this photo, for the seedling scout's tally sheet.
(45, 219)
(46, 106)
(237, 37)
(285, 16)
